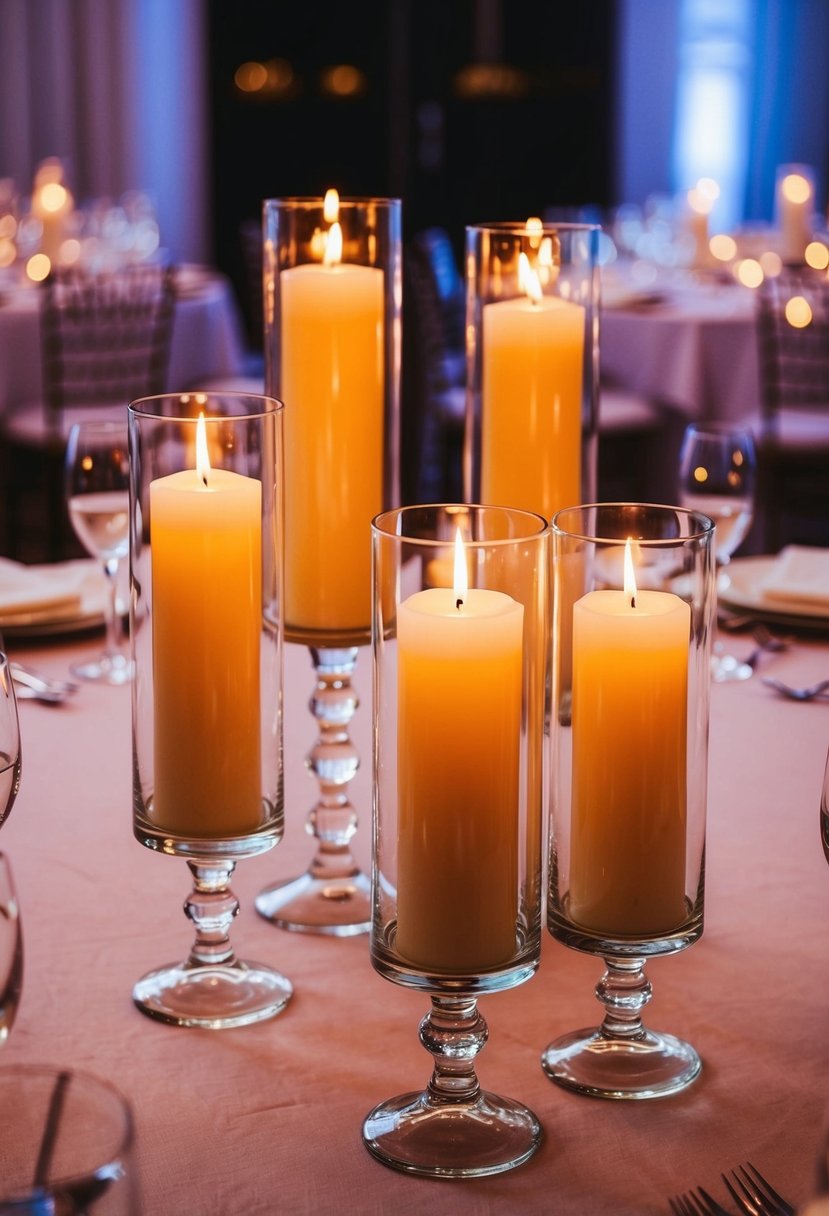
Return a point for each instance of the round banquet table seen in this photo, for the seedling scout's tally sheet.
(207, 339)
(267, 1118)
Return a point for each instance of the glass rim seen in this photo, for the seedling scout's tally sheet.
(307, 201)
(519, 227)
(705, 525)
(383, 518)
(141, 407)
(126, 1138)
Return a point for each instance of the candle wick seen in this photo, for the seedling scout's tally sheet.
(633, 601)
(204, 478)
(459, 603)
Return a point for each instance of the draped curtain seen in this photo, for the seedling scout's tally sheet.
(117, 90)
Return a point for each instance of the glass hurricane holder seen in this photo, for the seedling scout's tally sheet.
(532, 324)
(332, 292)
(460, 712)
(630, 763)
(207, 635)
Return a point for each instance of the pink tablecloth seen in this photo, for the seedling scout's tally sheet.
(267, 1118)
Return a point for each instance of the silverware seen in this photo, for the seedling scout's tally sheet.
(696, 1203)
(755, 1196)
(765, 643)
(814, 691)
(31, 685)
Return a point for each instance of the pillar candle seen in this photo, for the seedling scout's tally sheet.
(628, 825)
(795, 204)
(207, 621)
(533, 353)
(332, 383)
(459, 730)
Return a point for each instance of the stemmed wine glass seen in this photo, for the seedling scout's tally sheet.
(97, 494)
(11, 942)
(717, 477)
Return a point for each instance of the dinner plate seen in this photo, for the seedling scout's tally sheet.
(89, 614)
(741, 586)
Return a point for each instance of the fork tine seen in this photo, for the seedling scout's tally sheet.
(784, 1208)
(756, 1197)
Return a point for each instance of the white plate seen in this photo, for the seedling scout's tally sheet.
(93, 592)
(741, 586)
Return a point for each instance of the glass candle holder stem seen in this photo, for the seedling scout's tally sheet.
(652, 1062)
(333, 896)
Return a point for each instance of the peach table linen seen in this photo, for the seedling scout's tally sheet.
(267, 1118)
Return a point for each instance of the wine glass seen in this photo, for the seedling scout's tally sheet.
(717, 477)
(11, 950)
(10, 757)
(461, 666)
(97, 495)
(66, 1144)
(627, 826)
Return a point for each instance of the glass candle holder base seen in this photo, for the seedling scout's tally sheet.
(649, 1066)
(212, 997)
(417, 1135)
(622, 1058)
(338, 905)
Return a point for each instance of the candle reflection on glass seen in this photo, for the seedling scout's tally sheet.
(630, 676)
(459, 698)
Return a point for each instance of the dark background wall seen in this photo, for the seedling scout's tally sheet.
(468, 111)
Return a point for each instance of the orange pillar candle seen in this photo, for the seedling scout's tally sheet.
(332, 382)
(459, 729)
(206, 539)
(628, 825)
(532, 374)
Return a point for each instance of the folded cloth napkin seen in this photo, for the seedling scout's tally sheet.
(35, 591)
(799, 574)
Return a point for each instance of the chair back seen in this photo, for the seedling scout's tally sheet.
(106, 336)
(793, 332)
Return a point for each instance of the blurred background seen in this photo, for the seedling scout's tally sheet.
(470, 111)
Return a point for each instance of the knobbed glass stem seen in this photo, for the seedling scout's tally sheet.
(453, 1129)
(333, 896)
(622, 1058)
(212, 989)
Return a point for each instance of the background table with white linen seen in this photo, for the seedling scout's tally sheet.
(267, 1118)
(692, 346)
(207, 339)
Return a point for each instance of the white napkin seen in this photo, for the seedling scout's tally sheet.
(799, 574)
(40, 591)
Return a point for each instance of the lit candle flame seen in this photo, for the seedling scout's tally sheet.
(630, 575)
(461, 581)
(331, 206)
(333, 246)
(528, 279)
(796, 188)
(202, 454)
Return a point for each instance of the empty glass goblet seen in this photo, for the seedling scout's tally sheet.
(717, 478)
(9, 740)
(11, 950)
(97, 494)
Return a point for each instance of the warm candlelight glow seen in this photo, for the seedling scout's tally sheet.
(723, 247)
(796, 188)
(53, 196)
(699, 202)
(333, 246)
(461, 579)
(750, 272)
(798, 312)
(630, 575)
(38, 267)
(528, 279)
(331, 206)
(202, 454)
(817, 255)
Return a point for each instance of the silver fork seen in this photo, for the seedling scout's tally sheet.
(755, 1196)
(798, 694)
(696, 1203)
